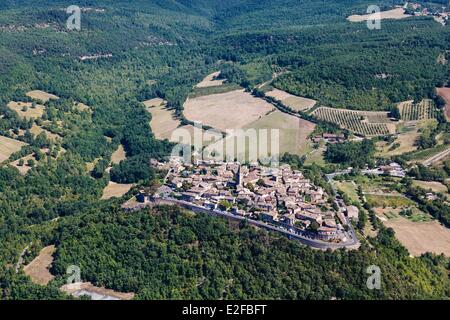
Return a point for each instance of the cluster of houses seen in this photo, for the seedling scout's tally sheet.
(279, 196)
(416, 9)
(393, 169)
(329, 138)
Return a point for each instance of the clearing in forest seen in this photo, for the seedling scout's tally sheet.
(421, 237)
(294, 102)
(118, 155)
(230, 110)
(25, 167)
(27, 110)
(445, 94)
(163, 121)
(115, 190)
(366, 123)
(38, 269)
(79, 289)
(9, 146)
(210, 81)
(36, 130)
(41, 95)
(397, 13)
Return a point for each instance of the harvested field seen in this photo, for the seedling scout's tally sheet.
(26, 110)
(115, 190)
(210, 81)
(365, 123)
(445, 94)
(163, 121)
(294, 102)
(293, 134)
(118, 155)
(8, 147)
(186, 134)
(38, 269)
(397, 13)
(421, 237)
(231, 110)
(88, 289)
(41, 95)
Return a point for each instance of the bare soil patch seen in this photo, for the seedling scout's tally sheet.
(397, 13)
(118, 155)
(86, 288)
(38, 269)
(115, 190)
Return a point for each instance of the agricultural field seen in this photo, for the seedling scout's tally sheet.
(230, 110)
(163, 121)
(294, 132)
(210, 81)
(421, 237)
(25, 110)
(445, 94)
(397, 13)
(115, 190)
(118, 155)
(364, 123)
(434, 186)
(424, 110)
(294, 102)
(388, 200)
(9, 146)
(41, 95)
(38, 269)
(405, 140)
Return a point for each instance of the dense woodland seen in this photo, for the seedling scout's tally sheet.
(161, 49)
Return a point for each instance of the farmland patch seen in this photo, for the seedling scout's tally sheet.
(366, 123)
(231, 110)
(8, 147)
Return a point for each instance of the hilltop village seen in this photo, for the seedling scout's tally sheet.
(282, 197)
